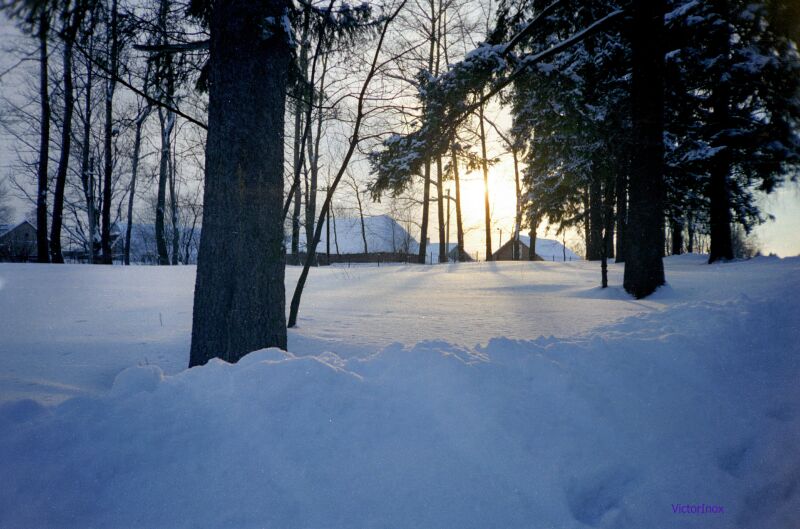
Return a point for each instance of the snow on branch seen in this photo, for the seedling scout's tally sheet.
(451, 97)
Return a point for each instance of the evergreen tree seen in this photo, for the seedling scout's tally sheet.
(733, 112)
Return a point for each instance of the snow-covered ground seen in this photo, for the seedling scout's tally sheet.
(470, 395)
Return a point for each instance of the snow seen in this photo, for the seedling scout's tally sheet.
(550, 249)
(384, 234)
(511, 394)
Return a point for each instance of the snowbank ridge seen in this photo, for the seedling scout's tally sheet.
(513, 434)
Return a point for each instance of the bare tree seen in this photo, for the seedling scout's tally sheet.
(42, 248)
(353, 143)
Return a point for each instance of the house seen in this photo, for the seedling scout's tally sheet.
(386, 241)
(432, 249)
(18, 242)
(144, 248)
(546, 250)
(143, 244)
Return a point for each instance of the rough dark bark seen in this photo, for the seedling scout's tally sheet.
(105, 236)
(644, 267)
(690, 231)
(239, 303)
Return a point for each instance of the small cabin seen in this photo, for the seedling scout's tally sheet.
(18, 242)
(546, 250)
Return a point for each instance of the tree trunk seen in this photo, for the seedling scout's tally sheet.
(586, 224)
(137, 145)
(313, 156)
(644, 267)
(239, 303)
(609, 220)
(328, 236)
(532, 236)
(361, 217)
(173, 204)
(594, 250)
(440, 205)
(353, 143)
(166, 120)
(105, 237)
(690, 231)
(43, 255)
(426, 199)
(66, 139)
(608, 229)
(485, 166)
(719, 187)
(87, 164)
(518, 218)
(298, 198)
(459, 225)
(335, 236)
(676, 227)
(622, 214)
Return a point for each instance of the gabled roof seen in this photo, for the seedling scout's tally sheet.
(383, 234)
(548, 249)
(8, 228)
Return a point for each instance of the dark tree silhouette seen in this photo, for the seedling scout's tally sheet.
(239, 298)
(644, 268)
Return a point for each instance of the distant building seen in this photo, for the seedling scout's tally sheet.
(386, 240)
(144, 249)
(432, 249)
(18, 242)
(546, 250)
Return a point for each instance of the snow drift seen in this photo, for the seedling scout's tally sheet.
(696, 404)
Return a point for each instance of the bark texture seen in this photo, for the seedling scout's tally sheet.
(644, 267)
(239, 302)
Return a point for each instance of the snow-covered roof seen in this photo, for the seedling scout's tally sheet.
(550, 249)
(5, 228)
(383, 234)
(143, 239)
